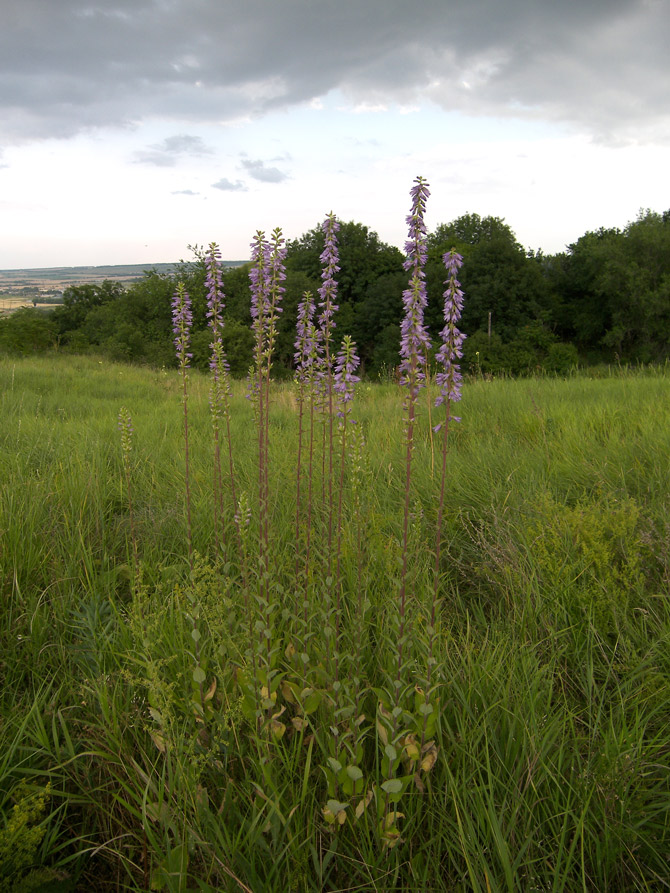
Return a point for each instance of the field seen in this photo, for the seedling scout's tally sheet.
(60, 277)
(229, 723)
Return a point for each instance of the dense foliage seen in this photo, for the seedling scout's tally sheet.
(131, 756)
(605, 299)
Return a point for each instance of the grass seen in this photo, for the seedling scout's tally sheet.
(546, 763)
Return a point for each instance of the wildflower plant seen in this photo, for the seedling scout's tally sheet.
(306, 359)
(326, 324)
(182, 320)
(449, 380)
(126, 429)
(344, 379)
(414, 345)
(266, 275)
(219, 392)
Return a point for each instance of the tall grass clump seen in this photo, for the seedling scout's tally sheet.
(263, 644)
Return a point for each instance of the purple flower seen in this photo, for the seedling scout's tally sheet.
(328, 290)
(266, 275)
(276, 273)
(182, 319)
(414, 340)
(258, 276)
(344, 379)
(215, 305)
(306, 343)
(449, 380)
(214, 283)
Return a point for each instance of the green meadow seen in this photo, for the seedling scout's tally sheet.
(222, 725)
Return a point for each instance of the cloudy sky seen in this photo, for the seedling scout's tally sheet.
(130, 129)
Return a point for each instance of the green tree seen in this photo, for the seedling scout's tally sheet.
(498, 276)
(26, 331)
(376, 317)
(370, 281)
(614, 290)
(78, 300)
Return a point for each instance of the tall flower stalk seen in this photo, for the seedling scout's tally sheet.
(449, 381)
(182, 319)
(344, 380)
(126, 429)
(258, 277)
(219, 390)
(306, 358)
(414, 346)
(327, 306)
(266, 276)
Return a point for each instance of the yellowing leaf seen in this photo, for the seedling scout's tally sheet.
(392, 818)
(210, 691)
(287, 692)
(363, 804)
(411, 748)
(159, 741)
(277, 728)
(429, 759)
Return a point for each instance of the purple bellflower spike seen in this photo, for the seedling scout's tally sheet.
(258, 276)
(306, 347)
(328, 293)
(449, 379)
(414, 340)
(276, 272)
(214, 283)
(182, 319)
(215, 306)
(329, 259)
(258, 283)
(346, 363)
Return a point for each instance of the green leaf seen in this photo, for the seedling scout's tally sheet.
(335, 806)
(199, 675)
(393, 786)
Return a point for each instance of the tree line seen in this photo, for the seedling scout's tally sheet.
(606, 298)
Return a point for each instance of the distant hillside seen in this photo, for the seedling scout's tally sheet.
(61, 277)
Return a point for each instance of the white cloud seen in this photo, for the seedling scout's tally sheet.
(172, 149)
(258, 170)
(226, 185)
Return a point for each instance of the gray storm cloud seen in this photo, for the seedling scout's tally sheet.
(600, 65)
